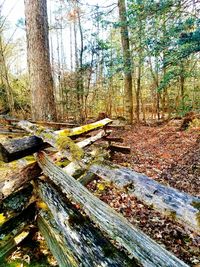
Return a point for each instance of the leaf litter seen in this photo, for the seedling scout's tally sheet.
(171, 157)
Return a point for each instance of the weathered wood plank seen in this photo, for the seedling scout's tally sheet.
(56, 124)
(11, 128)
(167, 200)
(116, 127)
(75, 166)
(11, 134)
(133, 240)
(17, 202)
(54, 240)
(60, 139)
(87, 178)
(9, 226)
(13, 149)
(14, 181)
(44, 132)
(12, 228)
(116, 148)
(5, 120)
(87, 245)
(113, 139)
(92, 139)
(89, 127)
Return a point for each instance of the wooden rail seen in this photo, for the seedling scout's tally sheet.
(79, 228)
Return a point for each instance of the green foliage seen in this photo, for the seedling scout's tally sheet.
(21, 93)
(170, 77)
(185, 106)
(195, 124)
(3, 104)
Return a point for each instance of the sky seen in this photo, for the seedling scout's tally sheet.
(13, 10)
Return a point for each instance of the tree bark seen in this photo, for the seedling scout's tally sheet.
(127, 61)
(41, 81)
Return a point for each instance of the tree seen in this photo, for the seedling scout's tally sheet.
(127, 61)
(41, 82)
(4, 79)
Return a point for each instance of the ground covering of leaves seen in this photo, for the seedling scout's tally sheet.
(171, 157)
(32, 252)
(164, 153)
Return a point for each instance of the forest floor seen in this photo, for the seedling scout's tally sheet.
(171, 157)
(165, 154)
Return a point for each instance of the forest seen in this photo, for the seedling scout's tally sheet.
(100, 133)
(139, 61)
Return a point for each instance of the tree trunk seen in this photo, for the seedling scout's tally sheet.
(182, 84)
(127, 61)
(41, 81)
(138, 89)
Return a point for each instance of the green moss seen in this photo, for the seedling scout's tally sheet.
(47, 135)
(85, 128)
(3, 168)
(196, 204)
(19, 262)
(30, 159)
(62, 163)
(198, 218)
(40, 129)
(64, 142)
(65, 132)
(172, 215)
(108, 250)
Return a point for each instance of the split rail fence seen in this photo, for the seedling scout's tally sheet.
(49, 190)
